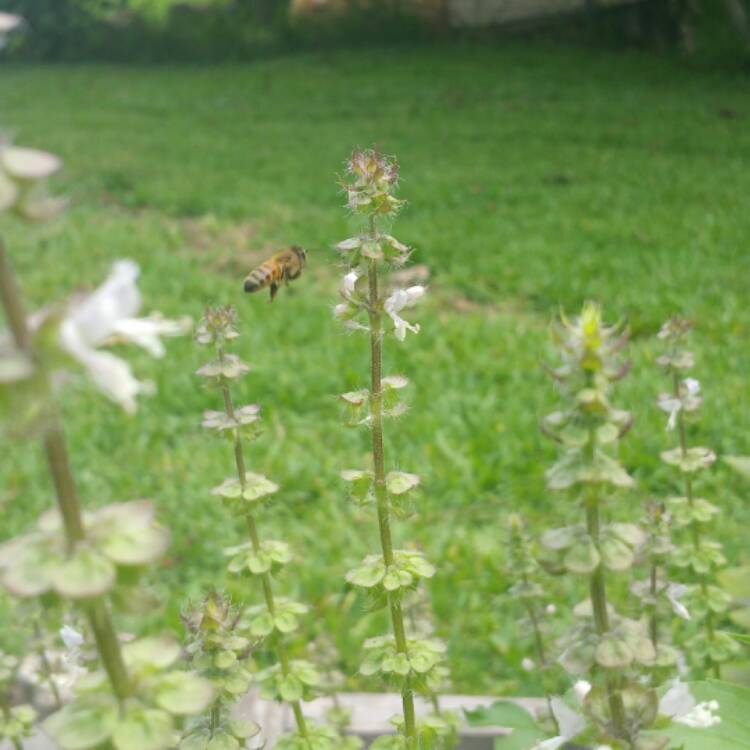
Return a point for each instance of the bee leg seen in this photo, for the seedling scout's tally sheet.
(274, 289)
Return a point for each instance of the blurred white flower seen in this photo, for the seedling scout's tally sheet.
(528, 664)
(106, 315)
(8, 23)
(400, 299)
(675, 591)
(569, 722)
(704, 715)
(581, 689)
(71, 637)
(677, 700)
(692, 386)
(689, 399)
(680, 706)
(671, 406)
(347, 285)
(60, 667)
(550, 609)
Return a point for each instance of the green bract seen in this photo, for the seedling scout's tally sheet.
(270, 555)
(415, 664)
(239, 495)
(17, 723)
(693, 459)
(145, 720)
(226, 367)
(407, 567)
(318, 738)
(296, 685)
(231, 734)
(244, 421)
(260, 622)
(119, 536)
(219, 647)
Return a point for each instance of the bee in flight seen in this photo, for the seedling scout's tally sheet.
(286, 265)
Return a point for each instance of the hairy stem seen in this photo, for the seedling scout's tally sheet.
(695, 527)
(381, 495)
(653, 625)
(598, 594)
(65, 488)
(265, 578)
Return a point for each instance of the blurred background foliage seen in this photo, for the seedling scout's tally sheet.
(145, 31)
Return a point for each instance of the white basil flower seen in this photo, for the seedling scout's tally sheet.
(675, 591)
(400, 299)
(692, 386)
(71, 637)
(680, 706)
(106, 315)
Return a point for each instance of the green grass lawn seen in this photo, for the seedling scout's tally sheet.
(537, 177)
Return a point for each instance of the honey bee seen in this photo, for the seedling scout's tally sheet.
(286, 265)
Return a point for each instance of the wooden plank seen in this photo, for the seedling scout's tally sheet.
(371, 713)
(370, 717)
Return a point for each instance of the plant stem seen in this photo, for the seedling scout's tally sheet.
(46, 668)
(265, 578)
(694, 526)
(65, 487)
(6, 712)
(654, 621)
(598, 596)
(381, 495)
(540, 654)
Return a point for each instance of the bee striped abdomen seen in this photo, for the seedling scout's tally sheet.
(265, 274)
(284, 266)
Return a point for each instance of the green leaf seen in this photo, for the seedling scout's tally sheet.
(694, 459)
(616, 554)
(83, 575)
(526, 734)
(152, 652)
(135, 545)
(257, 486)
(290, 688)
(562, 538)
(184, 693)
(223, 741)
(613, 653)
(583, 557)
(144, 729)
(740, 464)
(736, 581)
(196, 741)
(28, 565)
(83, 724)
(361, 482)
(244, 729)
(367, 575)
(262, 624)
